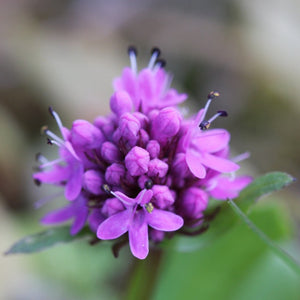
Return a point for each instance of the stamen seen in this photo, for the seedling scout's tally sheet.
(106, 188)
(206, 124)
(155, 52)
(241, 157)
(51, 163)
(54, 114)
(220, 113)
(132, 52)
(52, 135)
(149, 207)
(212, 95)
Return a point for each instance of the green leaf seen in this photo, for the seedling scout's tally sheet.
(226, 218)
(45, 239)
(262, 186)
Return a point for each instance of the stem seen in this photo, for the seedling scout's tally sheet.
(289, 260)
(144, 276)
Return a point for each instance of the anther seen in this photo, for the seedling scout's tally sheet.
(132, 50)
(220, 113)
(161, 63)
(149, 207)
(148, 184)
(213, 95)
(155, 50)
(51, 111)
(204, 125)
(49, 142)
(105, 187)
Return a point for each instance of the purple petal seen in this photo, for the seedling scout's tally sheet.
(58, 216)
(217, 163)
(114, 226)
(211, 141)
(74, 183)
(55, 175)
(138, 236)
(79, 220)
(144, 196)
(194, 164)
(164, 220)
(226, 188)
(125, 199)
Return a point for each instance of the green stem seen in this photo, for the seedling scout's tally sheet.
(289, 260)
(144, 276)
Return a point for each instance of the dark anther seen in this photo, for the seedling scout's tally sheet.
(148, 184)
(50, 109)
(204, 125)
(132, 49)
(155, 50)
(213, 95)
(105, 187)
(222, 113)
(161, 62)
(37, 182)
(49, 142)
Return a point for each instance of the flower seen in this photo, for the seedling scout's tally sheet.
(135, 219)
(143, 169)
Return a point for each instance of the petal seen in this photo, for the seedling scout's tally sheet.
(80, 219)
(74, 183)
(194, 164)
(125, 199)
(58, 216)
(55, 175)
(138, 236)
(164, 220)
(144, 196)
(217, 163)
(114, 226)
(211, 141)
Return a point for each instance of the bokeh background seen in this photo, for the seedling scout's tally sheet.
(66, 53)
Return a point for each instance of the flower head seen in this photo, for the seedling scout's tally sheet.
(143, 170)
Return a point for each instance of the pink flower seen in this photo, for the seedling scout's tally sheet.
(144, 165)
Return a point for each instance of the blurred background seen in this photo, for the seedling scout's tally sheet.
(66, 54)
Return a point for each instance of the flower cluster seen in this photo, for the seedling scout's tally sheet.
(143, 169)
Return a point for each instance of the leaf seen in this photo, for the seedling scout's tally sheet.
(262, 186)
(226, 218)
(45, 239)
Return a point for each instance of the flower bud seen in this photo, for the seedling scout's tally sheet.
(162, 196)
(166, 124)
(128, 129)
(106, 125)
(86, 135)
(114, 173)
(110, 152)
(193, 202)
(157, 167)
(142, 118)
(153, 148)
(112, 206)
(137, 161)
(120, 103)
(92, 182)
